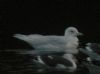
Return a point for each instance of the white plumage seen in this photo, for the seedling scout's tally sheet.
(67, 43)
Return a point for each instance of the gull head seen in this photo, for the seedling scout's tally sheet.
(72, 31)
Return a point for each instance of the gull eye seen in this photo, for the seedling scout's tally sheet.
(72, 31)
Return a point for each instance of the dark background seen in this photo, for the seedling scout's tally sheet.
(47, 17)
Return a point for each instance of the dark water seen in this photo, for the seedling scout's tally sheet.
(13, 63)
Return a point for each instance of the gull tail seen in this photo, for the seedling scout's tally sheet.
(21, 37)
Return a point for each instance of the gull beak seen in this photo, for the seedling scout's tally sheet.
(88, 44)
(80, 34)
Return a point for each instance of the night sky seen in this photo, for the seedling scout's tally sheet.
(47, 17)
